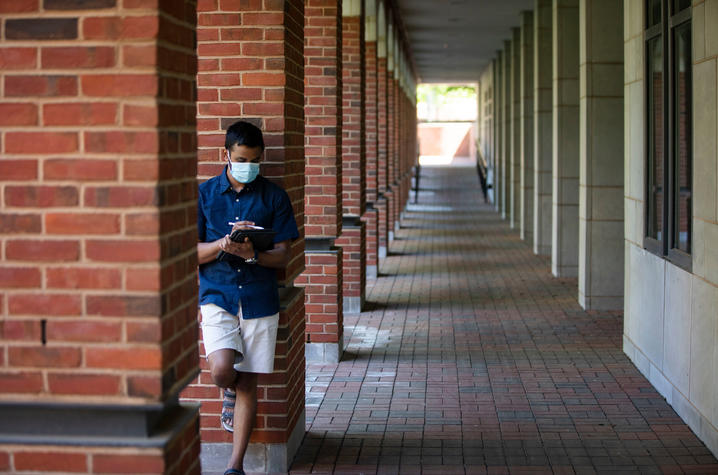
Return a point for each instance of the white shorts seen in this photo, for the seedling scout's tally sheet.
(253, 339)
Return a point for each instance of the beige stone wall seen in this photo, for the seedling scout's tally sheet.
(671, 315)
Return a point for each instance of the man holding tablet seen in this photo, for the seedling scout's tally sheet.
(238, 295)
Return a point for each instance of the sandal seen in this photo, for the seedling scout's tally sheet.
(227, 416)
(234, 471)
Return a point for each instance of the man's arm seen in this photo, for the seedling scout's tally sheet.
(207, 251)
(276, 258)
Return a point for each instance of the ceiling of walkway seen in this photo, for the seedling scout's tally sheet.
(454, 40)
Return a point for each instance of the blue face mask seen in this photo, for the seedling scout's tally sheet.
(244, 172)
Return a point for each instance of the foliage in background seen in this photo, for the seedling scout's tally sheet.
(437, 102)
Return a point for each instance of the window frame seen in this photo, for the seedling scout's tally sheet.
(665, 29)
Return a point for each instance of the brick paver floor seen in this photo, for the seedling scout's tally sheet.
(471, 358)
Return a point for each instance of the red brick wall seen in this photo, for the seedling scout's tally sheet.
(180, 457)
(323, 168)
(98, 290)
(382, 154)
(353, 240)
(370, 134)
(353, 150)
(323, 287)
(251, 67)
(353, 244)
(391, 193)
(323, 113)
(98, 193)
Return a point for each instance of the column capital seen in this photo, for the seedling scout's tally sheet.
(351, 8)
(381, 35)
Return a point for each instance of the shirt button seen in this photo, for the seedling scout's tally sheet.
(236, 217)
(237, 199)
(239, 270)
(240, 286)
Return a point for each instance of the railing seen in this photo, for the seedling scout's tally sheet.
(483, 170)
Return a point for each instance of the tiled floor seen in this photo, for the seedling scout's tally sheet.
(471, 358)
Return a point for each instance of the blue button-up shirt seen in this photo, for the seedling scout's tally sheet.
(227, 283)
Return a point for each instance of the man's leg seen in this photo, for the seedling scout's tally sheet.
(245, 413)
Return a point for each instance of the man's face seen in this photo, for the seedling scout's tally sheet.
(242, 154)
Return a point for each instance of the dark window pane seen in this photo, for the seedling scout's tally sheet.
(682, 138)
(679, 5)
(653, 12)
(654, 95)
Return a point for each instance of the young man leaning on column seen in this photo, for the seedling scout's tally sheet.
(239, 299)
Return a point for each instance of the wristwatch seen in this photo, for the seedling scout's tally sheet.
(252, 260)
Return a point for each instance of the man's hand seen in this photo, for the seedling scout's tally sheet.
(245, 249)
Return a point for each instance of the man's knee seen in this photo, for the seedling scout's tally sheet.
(221, 365)
(224, 376)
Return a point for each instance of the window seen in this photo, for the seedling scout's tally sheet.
(669, 156)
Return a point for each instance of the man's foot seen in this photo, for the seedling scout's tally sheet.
(227, 418)
(234, 471)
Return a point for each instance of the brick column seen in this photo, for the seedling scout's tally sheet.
(353, 237)
(400, 135)
(371, 215)
(390, 193)
(405, 182)
(251, 67)
(564, 227)
(397, 129)
(600, 215)
(542, 127)
(526, 202)
(323, 169)
(98, 289)
(382, 203)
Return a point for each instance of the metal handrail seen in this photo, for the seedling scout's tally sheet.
(483, 171)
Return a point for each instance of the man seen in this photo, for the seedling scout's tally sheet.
(239, 299)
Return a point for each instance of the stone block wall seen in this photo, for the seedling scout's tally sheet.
(671, 324)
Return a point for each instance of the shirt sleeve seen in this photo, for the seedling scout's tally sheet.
(283, 221)
(201, 219)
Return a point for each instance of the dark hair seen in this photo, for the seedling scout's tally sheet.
(243, 133)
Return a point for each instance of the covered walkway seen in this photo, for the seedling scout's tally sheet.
(471, 358)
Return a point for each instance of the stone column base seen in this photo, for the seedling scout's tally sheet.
(353, 305)
(323, 352)
(564, 271)
(588, 302)
(260, 457)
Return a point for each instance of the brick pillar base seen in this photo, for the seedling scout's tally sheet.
(322, 282)
(382, 207)
(389, 217)
(371, 218)
(354, 265)
(175, 451)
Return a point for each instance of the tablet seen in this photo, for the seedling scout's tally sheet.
(262, 240)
